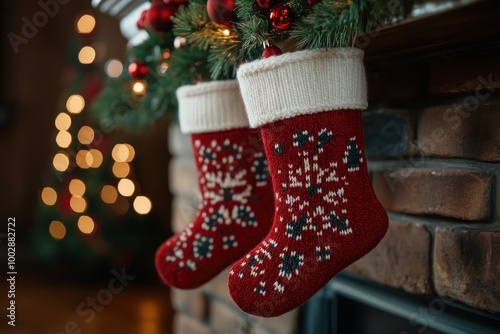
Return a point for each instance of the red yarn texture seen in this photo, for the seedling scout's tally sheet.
(326, 214)
(235, 212)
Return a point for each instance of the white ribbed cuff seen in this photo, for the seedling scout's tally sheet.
(211, 106)
(303, 82)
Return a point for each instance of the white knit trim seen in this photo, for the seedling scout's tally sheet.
(211, 106)
(303, 82)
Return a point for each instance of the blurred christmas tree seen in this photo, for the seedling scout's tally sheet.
(92, 215)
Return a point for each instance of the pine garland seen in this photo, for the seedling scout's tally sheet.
(223, 44)
(329, 23)
(117, 107)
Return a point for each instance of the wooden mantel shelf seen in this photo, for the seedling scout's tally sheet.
(470, 28)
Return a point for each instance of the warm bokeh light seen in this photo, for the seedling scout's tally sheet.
(86, 55)
(225, 32)
(166, 54)
(121, 169)
(78, 204)
(179, 41)
(63, 139)
(109, 194)
(61, 162)
(97, 158)
(142, 205)
(77, 188)
(75, 104)
(49, 196)
(57, 230)
(113, 68)
(63, 121)
(163, 68)
(131, 153)
(139, 87)
(84, 159)
(126, 187)
(85, 24)
(121, 153)
(86, 135)
(120, 207)
(86, 224)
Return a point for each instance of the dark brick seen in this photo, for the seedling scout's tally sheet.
(463, 75)
(461, 131)
(387, 133)
(456, 193)
(191, 302)
(401, 259)
(467, 267)
(185, 324)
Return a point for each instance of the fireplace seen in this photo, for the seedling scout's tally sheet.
(354, 305)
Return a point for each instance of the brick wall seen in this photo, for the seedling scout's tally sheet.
(434, 153)
(208, 309)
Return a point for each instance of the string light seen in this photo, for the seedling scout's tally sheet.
(114, 68)
(84, 159)
(61, 162)
(86, 55)
(139, 88)
(63, 139)
(225, 32)
(63, 122)
(109, 194)
(75, 104)
(78, 204)
(179, 41)
(97, 158)
(123, 153)
(57, 230)
(86, 24)
(86, 225)
(121, 169)
(49, 196)
(142, 205)
(126, 187)
(77, 188)
(163, 68)
(130, 153)
(86, 135)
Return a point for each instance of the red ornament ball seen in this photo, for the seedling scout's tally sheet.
(143, 19)
(159, 16)
(221, 11)
(271, 50)
(179, 2)
(265, 3)
(282, 16)
(138, 70)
